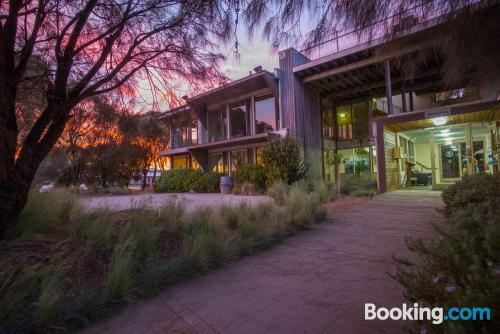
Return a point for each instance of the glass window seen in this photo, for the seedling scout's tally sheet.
(265, 114)
(238, 158)
(194, 129)
(217, 162)
(238, 119)
(180, 161)
(217, 128)
(258, 155)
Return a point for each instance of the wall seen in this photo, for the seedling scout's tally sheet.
(301, 111)
(391, 164)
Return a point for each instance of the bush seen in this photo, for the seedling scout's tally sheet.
(185, 180)
(460, 269)
(284, 161)
(278, 191)
(472, 190)
(350, 183)
(81, 265)
(254, 174)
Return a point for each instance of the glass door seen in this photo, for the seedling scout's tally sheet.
(450, 162)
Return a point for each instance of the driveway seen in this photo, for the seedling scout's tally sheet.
(191, 201)
(315, 282)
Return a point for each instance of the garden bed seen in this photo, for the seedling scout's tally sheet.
(68, 267)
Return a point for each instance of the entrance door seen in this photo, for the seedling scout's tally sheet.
(450, 161)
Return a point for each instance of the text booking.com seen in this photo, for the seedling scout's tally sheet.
(436, 314)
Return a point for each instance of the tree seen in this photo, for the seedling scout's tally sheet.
(149, 135)
(90, 48)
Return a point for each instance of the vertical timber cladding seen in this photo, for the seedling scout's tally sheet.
(391, 164)
(301, 111)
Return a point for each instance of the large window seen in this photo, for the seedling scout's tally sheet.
(265, 113)
(238, 118)
(180, 161)
(217, 162)
(217, 125)
(180, 131)
(238, 158)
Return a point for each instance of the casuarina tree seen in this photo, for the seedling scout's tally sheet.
(89, 48)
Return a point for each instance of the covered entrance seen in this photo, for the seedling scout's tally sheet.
(435, 148)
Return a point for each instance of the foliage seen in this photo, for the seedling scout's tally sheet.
(324, 190)
(185, 180)
(278, 191)
(284, 161)
(472, 190)
(68, 52)
(254, 174)
(351, 183)
(461, 268)
(77, 267)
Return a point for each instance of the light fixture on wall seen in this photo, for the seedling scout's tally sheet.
(439, 120)
(342, 115)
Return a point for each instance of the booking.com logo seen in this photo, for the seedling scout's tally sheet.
(436, 314)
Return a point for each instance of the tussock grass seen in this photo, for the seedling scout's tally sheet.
(68, 268)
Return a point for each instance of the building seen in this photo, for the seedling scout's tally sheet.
(350, 95)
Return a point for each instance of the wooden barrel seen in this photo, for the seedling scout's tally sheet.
(226, 184)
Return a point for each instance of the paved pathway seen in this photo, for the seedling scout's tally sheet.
(316, 282)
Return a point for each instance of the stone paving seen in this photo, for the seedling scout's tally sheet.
(315, 282)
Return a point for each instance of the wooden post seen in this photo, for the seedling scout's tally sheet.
(410, 94)
(336, 151)
(433, 160)
(381, 175)
(388, 86)
(403, 92)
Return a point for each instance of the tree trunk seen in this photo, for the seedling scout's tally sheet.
(144, 177)
(13, 197)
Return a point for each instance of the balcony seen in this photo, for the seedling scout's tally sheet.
(398, 24)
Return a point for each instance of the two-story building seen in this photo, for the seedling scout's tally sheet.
(225, 127)
(351, 96)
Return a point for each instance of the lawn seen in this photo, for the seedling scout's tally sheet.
(65, 267)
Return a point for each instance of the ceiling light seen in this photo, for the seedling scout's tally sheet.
(439, 120)
(445, 130)
(448, 141)
(342, 115)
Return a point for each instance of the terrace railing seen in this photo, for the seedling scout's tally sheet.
(384, 28)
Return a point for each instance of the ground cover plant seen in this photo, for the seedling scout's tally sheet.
(63, 268)
(462, 267)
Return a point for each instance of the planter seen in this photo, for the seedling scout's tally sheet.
(226, 185)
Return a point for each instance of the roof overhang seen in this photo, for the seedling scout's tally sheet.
(478, 110)
(238, 141)
(234, 89)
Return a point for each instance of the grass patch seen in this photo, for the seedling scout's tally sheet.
(64, 268)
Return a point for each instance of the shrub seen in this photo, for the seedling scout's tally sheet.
(284, 161)
(87, 264)
(350, 183)
(460, 269)
(185, 180)
(278, 191)
(254, 174)
(325, 191)
(471, 190)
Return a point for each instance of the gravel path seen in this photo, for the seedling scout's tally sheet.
(155, 200)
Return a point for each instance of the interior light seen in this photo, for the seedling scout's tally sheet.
(439, 120)
(448, 141)
(445, 130)
(342, 115)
